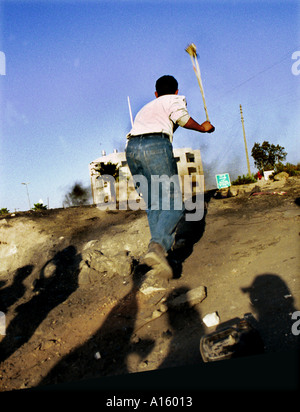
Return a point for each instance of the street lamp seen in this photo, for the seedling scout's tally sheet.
(26, 184)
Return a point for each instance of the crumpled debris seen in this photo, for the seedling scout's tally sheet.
(268, 193)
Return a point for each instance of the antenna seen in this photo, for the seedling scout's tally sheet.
(130, 112)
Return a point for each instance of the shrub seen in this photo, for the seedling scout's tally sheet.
(292, 170)
(4, 211)
(243, 180)
(39, 206)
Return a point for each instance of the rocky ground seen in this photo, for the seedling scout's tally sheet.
(78, 304)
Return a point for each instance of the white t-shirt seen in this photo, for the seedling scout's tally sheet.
(159, 116)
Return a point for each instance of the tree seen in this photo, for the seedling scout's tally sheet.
(267, 155)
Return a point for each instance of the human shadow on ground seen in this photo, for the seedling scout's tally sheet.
(11, 294)
(188, 233)
(106, 351)
(186, 329)
(273, 305)
(50, 292)
(269, 331)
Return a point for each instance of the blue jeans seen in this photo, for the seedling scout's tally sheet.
(152, 157)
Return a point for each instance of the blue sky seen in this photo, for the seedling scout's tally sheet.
(70, 66)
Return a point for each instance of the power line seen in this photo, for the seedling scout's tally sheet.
(233, 119)
(257, 74)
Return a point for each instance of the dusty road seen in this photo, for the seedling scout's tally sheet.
(72, 291)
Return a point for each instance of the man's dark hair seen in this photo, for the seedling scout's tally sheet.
(166, 85)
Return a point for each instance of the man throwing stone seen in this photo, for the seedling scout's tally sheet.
(149, 152)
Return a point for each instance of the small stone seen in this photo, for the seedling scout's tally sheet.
(49, 270)
(153, 283)
(192, 297)
(232, 192)
(222, 193)
(97, 355)
(47, 344)
(281, 176)
(163, 307)
(156, 314)
(148, 290)
(136, 339)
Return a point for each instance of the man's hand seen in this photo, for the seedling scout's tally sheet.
(208, 127)
(205, 127)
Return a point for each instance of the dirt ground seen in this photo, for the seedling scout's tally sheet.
(63, 325)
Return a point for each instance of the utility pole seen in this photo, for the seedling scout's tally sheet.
(26, 184)
(247, 157)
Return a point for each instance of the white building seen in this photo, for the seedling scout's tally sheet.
(189, 163)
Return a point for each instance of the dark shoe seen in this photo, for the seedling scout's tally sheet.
(156, 259)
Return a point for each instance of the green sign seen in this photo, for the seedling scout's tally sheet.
(223, 180)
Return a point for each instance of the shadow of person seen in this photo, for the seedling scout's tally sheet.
(273, 304)
(188, 233)
(105, 353)
(11, 294)
(51, 292)
(186, 330)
